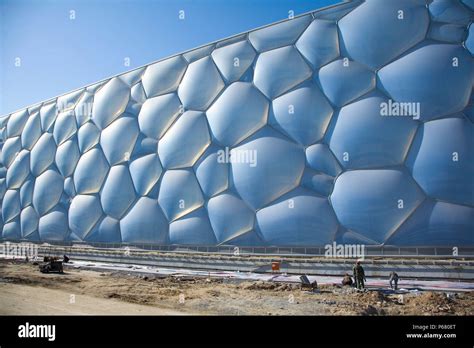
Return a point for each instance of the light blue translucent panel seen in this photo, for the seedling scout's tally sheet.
(53, 226)
(250, 238)
(118, 192)
(360, 125)
(427, 76)
(334, 79)
(144, 223)
(239, 112)
(34, 108)
(69, 187)
(28, 221)
(192, 229)
(375, 33)
(442, 159)
(11, 149)
(3, 188)
(3, 172)
(108, 230)
(10, 205)
(469, 43)
(48, 190)
(110, 102)
(233, 60)
(145, 172)
(281, 34)
(83, 109)
(16, 123)
(375, 202)
(436, 224)
(69, 100)
(67, 156)
(321, 159)
(138, 93)
(144, 146)
(132, 77)
(300, 218)
(157, 114)
(449, 11)
(26, 192)
(201, 84)
(229, 216)
(118, 139)
(447, 32)
(320, 183)
(84, 212)
(48, 114)
(88, 136)
(185, 141)
(212, 171)
(12, 230)
(31, 131)
(319, 44)
(42, 154)
(303, 114)
(198, 53)
(163, 77)
(469, 3)
(265, 167)
(90, 172)
(19, 170)
(179, 193)
(279, 70)
(351, 237)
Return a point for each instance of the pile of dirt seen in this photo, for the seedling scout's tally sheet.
(261, 285)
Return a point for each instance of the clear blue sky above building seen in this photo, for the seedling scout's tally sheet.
(58, 53)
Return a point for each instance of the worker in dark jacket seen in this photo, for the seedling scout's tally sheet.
(359, 275)
(394, 280)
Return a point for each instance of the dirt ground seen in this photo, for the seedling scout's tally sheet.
(24, 290)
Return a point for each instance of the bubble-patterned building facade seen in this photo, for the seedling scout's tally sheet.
(351, 124)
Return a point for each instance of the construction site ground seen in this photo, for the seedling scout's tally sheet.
(80, 290)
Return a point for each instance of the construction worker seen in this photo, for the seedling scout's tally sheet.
(347, 280)
(393, 280)
(359, 275)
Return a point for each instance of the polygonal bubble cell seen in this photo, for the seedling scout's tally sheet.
(64, 127)
(366, 122)
(229, 216)
(118, 192)
(67, 156)
(321, 159)
(179, 193)
(145, 173)
(443, 164)
(239, 112)
(158, 113)
(118, 140)
(394, 25)
(319, 43)
(54, 225)
(334, 76)
(303, 114)
(185, 141)
(144, 223)
(163, 77)
(212, 171)
(90, 172)
(19, 170)
(233, 60)
(84, 212)
(31, 132)
(201, 84)
(265, 167)
(109, 102)
(88, 136)
(279, 70)
(299, 218)
(42, 154)
(47, 191)
(375, 202)
(16, 122)
(437, 77)
(192, 229)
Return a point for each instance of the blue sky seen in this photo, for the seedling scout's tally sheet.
(58, 54)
